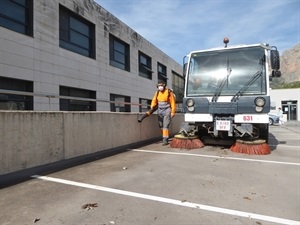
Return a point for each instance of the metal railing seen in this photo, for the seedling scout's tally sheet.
(51, 96)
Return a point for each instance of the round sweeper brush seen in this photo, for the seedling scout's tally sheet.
(257, 147)
(186, 142)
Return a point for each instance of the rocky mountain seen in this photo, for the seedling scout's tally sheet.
(290, 65)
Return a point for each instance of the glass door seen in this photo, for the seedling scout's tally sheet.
(290, 109)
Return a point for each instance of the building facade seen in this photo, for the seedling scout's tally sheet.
(288, 100)
(75, 55)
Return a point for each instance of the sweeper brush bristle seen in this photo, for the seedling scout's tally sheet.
(183, 142)
(258, 147)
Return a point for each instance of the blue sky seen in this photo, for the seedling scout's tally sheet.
(180, 26)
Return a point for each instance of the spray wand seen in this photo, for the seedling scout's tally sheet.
(148, 113)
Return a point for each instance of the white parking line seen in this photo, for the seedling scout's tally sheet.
(295, 148)
(219, 157)
(172, 201)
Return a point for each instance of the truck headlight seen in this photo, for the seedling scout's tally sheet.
(191, 108)
(260, 101)
(190, 102)
(259, 108)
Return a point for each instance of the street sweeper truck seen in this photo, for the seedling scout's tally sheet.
(226, 94)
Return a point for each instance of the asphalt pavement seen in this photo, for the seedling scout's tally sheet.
(292, 125)
(160, 185)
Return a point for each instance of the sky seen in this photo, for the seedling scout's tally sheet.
(179, 26)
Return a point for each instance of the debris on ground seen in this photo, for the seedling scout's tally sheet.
(247, 198)
(89, 206)
(211, 182)
(36, 220)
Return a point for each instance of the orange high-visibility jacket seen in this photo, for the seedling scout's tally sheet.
(165, 100)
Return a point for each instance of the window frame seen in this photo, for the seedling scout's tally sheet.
(8, 21)
(144, 104)
(145, 68)
(118, 58)
(124, 107)
(162, 72)
(177, 85)
(67, 33)
(67, 104)
(21, 101)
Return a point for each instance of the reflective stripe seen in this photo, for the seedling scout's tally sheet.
(163, 105)
(165, 133)
(164, 108)
(165, 101)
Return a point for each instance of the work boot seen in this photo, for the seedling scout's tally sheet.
(165, 141)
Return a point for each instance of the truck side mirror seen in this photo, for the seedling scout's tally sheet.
(276, 73)
(275, 59)
(275, 63)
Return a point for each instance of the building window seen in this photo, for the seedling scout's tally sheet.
(73, 104)
(119, 103)
(162, 72)
(17, 15)
(144, 104)
(178, 86)
(145, 66)
(15, 101)
(119, 53)
(76, 33)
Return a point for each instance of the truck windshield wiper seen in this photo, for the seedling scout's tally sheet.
(221, 85)
(246, 86)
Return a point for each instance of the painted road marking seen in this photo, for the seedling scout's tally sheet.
(295, 148)
(172, 201)
(218, 157)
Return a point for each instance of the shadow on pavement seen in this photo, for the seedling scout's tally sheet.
(273, 142)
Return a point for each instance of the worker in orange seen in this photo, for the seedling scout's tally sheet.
(165, 101)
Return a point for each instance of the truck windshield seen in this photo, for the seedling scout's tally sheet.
(230, 69)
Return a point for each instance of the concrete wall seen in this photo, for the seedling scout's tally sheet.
(30, 139)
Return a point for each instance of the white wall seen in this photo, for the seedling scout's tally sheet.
(279, 95)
